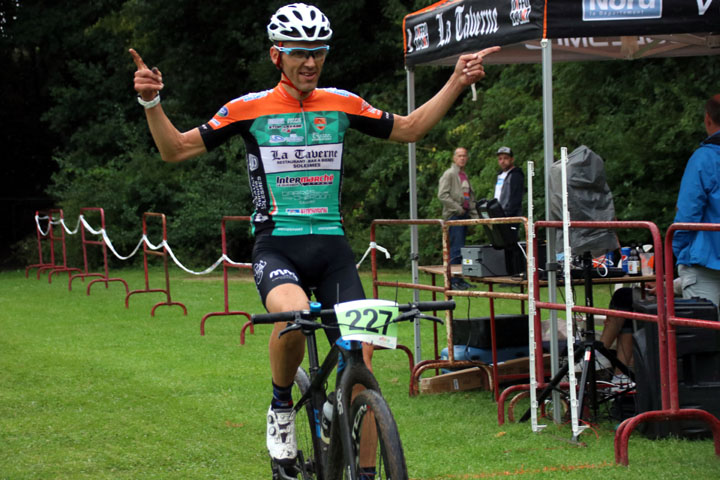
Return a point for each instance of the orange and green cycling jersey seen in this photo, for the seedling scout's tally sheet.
(294, 153)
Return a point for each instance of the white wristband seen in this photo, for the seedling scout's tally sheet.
(150, 103)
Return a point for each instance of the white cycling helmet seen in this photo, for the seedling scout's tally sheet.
(300, 23)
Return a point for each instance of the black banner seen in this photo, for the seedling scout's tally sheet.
(449, 28)
(596, 18)
(452, 27)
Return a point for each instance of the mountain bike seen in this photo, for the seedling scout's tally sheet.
(350, 430)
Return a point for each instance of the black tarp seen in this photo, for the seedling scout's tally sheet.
(450, 27)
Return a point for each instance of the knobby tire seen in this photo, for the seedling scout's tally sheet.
(389, 457)
(307, 441)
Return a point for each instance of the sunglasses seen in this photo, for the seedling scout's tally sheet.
(300, 53)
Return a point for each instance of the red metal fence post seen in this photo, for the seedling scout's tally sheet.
(164, 254)
(226, 265)
(103, 277)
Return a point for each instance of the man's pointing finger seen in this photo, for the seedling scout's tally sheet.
(138, 60)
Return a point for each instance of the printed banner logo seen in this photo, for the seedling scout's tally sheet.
(421, 39)
(520, 12)
(607, 10)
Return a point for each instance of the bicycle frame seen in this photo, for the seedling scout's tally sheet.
(350, 352)
(351, 371)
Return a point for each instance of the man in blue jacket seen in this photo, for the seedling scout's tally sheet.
(698, 252)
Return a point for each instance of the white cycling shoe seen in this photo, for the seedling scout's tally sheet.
(281, 442)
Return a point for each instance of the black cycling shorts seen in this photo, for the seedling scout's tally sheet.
(322, 265)
(622, 299)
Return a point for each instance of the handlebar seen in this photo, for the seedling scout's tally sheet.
(411, 310)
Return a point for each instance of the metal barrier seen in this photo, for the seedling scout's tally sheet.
(227, 265)
(103, 277)
(42, 237)
(660, 318)
(438, 363)
(55, 216)
(164, 254)
(670, 405)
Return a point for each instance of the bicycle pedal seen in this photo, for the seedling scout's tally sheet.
(284, 472)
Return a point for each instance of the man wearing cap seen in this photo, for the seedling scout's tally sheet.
(510, 184)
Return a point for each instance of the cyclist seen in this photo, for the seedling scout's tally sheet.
(294, 136)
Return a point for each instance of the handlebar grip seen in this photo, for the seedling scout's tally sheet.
(437, 305)
(268, 318)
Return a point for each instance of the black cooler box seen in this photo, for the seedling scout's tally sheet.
(698, 365)
(510, 331)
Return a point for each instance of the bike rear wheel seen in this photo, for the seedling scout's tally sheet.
(309, 456)
(371, 415)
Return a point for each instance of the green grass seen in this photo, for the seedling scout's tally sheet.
(92, 390)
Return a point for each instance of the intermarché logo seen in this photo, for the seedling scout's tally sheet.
(607, 10)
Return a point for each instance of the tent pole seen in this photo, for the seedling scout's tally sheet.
(550, 232)
(413, 209)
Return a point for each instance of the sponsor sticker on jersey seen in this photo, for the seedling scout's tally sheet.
(320, 123)
(282, 274)
(306, 211)
(223, 112)
(305, 180)
(277, 159)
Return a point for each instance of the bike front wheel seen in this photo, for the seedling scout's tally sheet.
(309, 448)
(372, 420)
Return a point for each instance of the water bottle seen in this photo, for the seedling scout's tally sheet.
(633, 262)
(325, 420)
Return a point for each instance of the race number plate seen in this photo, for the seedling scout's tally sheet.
(368, 321)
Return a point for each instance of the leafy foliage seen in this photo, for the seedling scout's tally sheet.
(642, 117)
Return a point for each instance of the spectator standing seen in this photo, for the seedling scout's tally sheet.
(698, 252)
(458, 200)
(510, 184)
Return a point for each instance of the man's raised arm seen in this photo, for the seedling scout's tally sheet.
(468, 70)
(173, 145)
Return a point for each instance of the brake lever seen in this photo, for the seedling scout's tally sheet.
(290, 328)
(415, 313)
(430, 317)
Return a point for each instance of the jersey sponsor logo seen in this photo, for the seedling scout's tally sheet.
(305, 181)
(252, 96)
(304, 196)
(258, 269)
(342, 93)
(260, 218)
(278, 159)
(320, 123)
(321, 137)
(258, 193)
(223, 112)
(366, 107)
(282, 274)
(285, 128)
(215, 122)
(277, 139)
(608, 10)
(252, 162)
(306, 211)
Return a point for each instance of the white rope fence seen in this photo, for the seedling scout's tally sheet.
(145, 241)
